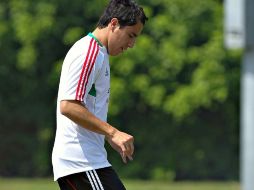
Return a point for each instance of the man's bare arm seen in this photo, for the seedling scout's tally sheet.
(78, 113)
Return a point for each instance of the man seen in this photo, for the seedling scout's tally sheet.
(79, 157)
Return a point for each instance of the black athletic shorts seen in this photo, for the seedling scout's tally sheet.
(100, 179)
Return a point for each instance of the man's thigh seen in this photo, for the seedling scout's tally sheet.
(100, 179)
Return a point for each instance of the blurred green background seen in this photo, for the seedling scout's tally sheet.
(176, 92)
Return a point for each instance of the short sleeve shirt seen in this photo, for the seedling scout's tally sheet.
(85, 77)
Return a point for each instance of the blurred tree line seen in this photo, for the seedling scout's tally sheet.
(177, 91)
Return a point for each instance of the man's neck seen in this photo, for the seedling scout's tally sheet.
(101, 35)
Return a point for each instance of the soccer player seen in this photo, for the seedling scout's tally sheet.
(79, 157)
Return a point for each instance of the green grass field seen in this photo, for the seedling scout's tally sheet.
(48, 184)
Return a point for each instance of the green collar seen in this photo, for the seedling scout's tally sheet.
(91, 35)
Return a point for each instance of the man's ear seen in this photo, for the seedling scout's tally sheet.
(114, 23)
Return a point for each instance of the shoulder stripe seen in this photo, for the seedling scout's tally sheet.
(78, 91)
(86, 69)
(91, 66)
(89, 69)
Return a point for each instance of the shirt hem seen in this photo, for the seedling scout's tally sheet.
(88, 168)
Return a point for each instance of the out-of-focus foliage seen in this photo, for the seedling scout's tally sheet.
(177, 91)
(178, 63)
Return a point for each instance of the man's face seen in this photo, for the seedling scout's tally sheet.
(120, 39)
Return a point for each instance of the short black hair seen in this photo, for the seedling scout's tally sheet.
(128, 13)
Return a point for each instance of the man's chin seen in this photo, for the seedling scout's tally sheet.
(114, 53)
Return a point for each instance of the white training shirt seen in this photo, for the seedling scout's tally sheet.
(85, 77)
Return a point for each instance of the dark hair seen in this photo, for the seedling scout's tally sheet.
(127, 12)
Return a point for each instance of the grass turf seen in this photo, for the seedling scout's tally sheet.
(48, 184)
